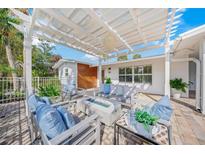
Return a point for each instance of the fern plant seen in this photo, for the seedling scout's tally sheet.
(48, 91)
(178, 84)
(146, 119)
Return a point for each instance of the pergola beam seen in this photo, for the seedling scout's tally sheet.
(137, 22)
(53, 31)
(100, 19)
(70, 24)
(137, 50)
(64, 43)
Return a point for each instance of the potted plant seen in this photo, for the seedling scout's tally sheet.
(178, 86)
(107, 85)
(145, 123)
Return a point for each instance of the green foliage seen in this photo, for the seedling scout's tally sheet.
(136, 56)
(6, 69)
(11, 37)
(48, 91)
(42, 57)
(108, 80)
(43, 60)
(145, 118)
(122, 58)
(178, 84)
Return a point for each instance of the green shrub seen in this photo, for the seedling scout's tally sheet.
(108, 80)
(178, 84)
(48, 91)
(145, 118)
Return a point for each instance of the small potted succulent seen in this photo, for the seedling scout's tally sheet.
(145, 123)
(107, 86)
(178, 86)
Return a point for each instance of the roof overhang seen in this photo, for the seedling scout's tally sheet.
(135, 60)
(61, 61)
(186, 41)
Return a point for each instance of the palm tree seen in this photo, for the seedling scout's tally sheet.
(6, 34)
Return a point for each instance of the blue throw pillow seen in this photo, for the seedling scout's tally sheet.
(46, 100)
(67, 117)
(162, 108)
(50, 121)
(33, 102)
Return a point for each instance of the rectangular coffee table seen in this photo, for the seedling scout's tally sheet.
(108, 110)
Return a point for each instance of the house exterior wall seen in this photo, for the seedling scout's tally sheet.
(180, 70)
(72, 73)
(158, 75)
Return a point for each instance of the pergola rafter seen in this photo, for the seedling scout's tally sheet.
(75, 27)
(137, 21)
(100, 19)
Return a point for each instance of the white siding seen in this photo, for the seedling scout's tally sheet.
(158, 67)
(181, 70)
(72, 67)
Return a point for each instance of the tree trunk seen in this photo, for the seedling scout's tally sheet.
(12, 65)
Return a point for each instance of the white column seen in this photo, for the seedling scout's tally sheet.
(167, 70)
(99, 72)
(202, 59)
(28, 66)
(197, 84)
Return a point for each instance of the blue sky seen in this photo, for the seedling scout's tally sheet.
(191, 18)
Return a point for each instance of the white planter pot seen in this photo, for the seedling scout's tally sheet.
(176, 94)
(139, 127)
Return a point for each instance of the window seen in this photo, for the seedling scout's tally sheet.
(125, 74)
(66, 72)
(143, 74)
(140, 74)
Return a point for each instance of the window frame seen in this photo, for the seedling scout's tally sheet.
(143, 74)
(66, 72)
(125, 75)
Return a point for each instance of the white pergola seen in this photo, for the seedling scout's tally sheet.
(103, 33)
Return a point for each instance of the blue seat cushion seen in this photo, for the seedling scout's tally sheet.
(50, 121)
(33, 102)
(162, 108)
(67, 117)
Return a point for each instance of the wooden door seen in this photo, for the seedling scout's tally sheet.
(87, 76)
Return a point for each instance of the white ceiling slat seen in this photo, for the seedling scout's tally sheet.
(67, 22)
(104, 23)
(68, 36)
(137, 22)
(170, 26)
(51, 32)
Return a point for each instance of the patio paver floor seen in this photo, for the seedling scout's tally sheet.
(188, 125)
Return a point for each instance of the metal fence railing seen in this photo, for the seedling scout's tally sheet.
(38, 82)
(13, 89)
